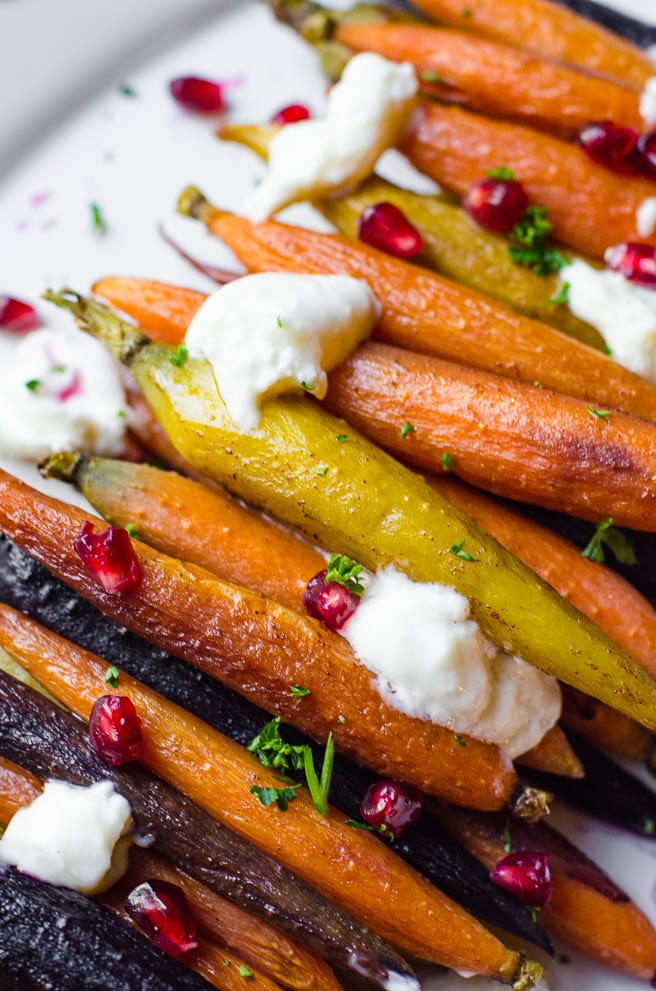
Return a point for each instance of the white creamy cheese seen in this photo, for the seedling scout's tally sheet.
(646, 217)
(60, 390)
(433, 662)
(367, 112)
(278, 332)
(623, 313)
(648, 102)
(70, 836)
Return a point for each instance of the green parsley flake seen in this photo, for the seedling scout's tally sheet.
(503, 172)
(616, 541)
(323, 472)
(298, 692)
(127, 90)
(383, 830)
(457, 550)
(648, 827)
(132, 530)
(531, 248)
(33, 384)
(507, 839)
(448, 463)
(430, 76)
(122, 414)
(112, 675)
(601, 414)
(608, 352)
(98, 223)
(308, 387)
(281, 796)
(279, 321)
(272, 751)
(460, 740)
(179, 356)
(342, 438)
(344, 571)
(245, 972)
(562, 296)
(341, 719)
(407, 428)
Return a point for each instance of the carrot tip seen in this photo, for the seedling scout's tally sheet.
(191, 201)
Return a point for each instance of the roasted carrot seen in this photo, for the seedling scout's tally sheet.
(184, 751)
(423, 311)
(586, 908)
(497, 79)
(260, 648)
(550, 31)
(512, 439)
(591, 208)
(555, 752)
(604, 727)
(17, 788)
(594, 589)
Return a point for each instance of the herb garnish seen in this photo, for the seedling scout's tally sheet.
(531, 247)
(503, 172)
(460, 740)
(430, 76)
(279, 321)
(535, 913)
(341, 719)
(457, 550)
(112, 675)
(562, 296)
(281, 796)
(179, 356)
(344, 571)
(601, 414)
(507, 840)
(447, 462)
(342, 438)
(614, 539)
(407, 428)
(245, 972)
(298, 692)
(323, 471)
(98, 223)
(127, 90)
(308, 387)
(272, 751)
(132, 531)
(33, 384)
(383, 830)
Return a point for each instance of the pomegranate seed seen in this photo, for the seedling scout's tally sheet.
(496, 204)
(526, 875)
(329, 601)
(291, 114)
(386, 227)
(17, 316)
(115, 730)
(203, 96)
(636, 262)
(109, 556)
(391, 804)
(608, 144)
(162, 911)
(644, 156)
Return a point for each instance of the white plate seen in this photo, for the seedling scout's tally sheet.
(74, 139)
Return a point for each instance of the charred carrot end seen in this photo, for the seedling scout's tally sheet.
(554, 751)
(550, 31)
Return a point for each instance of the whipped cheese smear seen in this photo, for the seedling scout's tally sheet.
(623, 313)
(278, 332)
(433, 662)
(60, 390)
(367, 113)
(71, 836)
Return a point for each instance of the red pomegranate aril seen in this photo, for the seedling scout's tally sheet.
(643, 158)
(292, 114)
(329, 601)
(115, 730)
(386, 227)
(109, 556)
(608, 144)
(203, 96)
(526, 875)
(496, 204)
(391, 805)
(162, 912)
(636, 262)
(17, 316)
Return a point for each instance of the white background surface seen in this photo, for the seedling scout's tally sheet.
(68, 137)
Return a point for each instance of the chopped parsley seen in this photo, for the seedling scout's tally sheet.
(383, 830)
(279, 321)
(245, 972)
(127, 90)
(430, 76)
(407, 428)
(320, 786)
(460, 740)
(112, 675)
(122, 414)
(342, 438)
(458, 551)
(323, 471)
(647, 826)
(538, 385)
(344, 571)
(503, 172)
(308, 387)
(601, 414)
(531, 248)
(447, 462)
(33, 384)
(507, 840)
(272, 751)
(132, 530)
(608, 352)
(341, 719)
(614, 539)
(98, 223)
(562, 296)
(281, 796)
(298, 692)
(179, 356)
(535, 913)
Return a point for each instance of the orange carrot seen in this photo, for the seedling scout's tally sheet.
(597, 591)
(605, 727)
(549, 30)
(554, 755)
(512, 439)
(259, 648)
(258, 943)
(497, 79)
(353, 869)
(591, 208)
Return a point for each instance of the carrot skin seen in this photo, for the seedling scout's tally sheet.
(590, 207)
(604, 727)
(550, 31)
(362, 870)
(498, 79)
